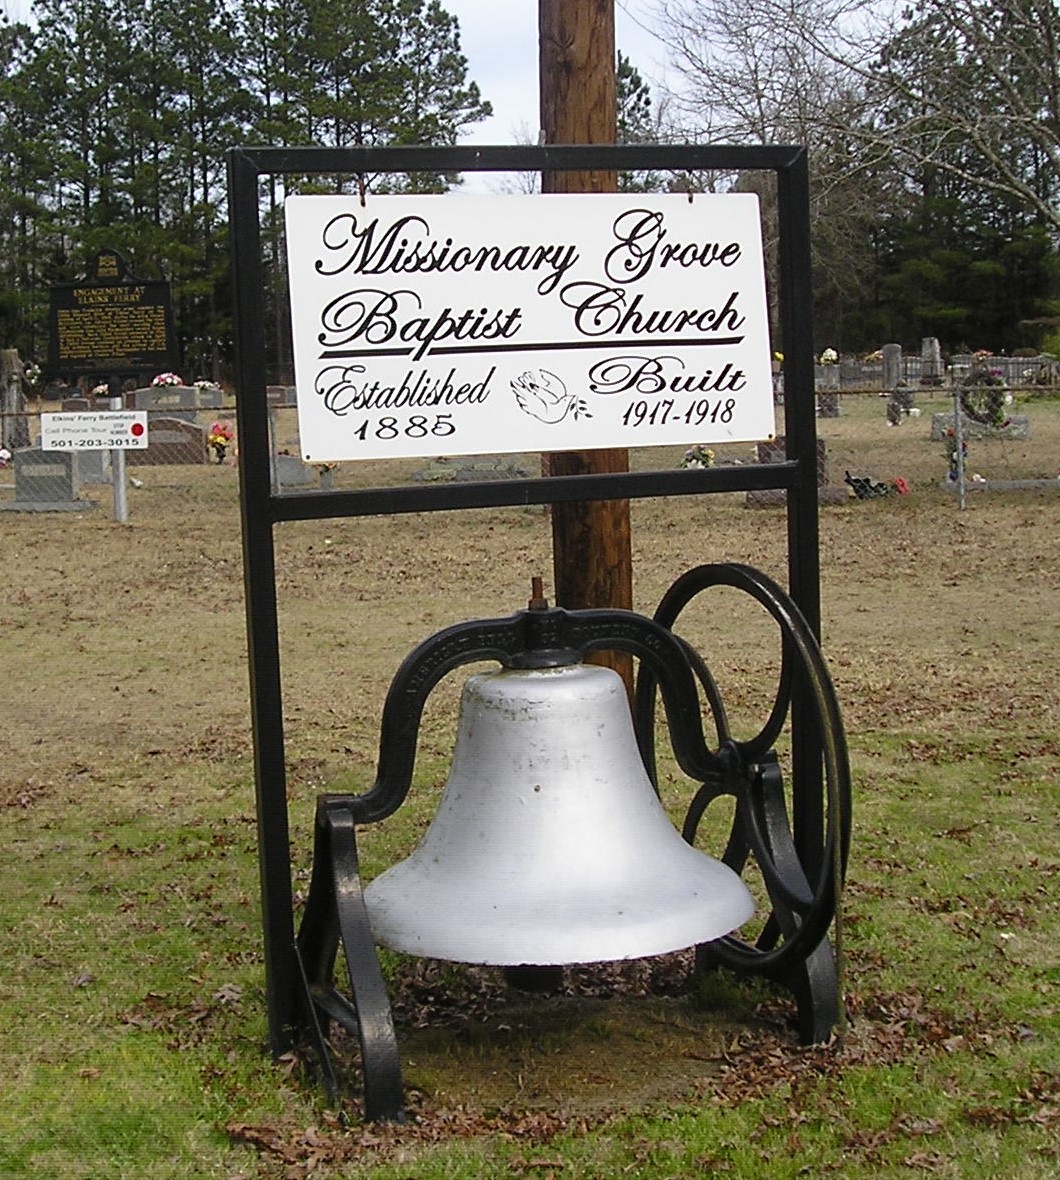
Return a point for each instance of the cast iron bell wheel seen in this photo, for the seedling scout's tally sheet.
(798, 836)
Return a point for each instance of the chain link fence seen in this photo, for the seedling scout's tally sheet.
(188, 429)
(980, 423)
(880, 433)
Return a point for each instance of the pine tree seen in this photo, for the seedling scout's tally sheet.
(117, 115)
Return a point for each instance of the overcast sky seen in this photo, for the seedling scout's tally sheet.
(499, 39)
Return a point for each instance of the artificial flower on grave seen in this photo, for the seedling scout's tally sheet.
(220, 438)
(698, 456)
(829, 357)
(204, 386)
(778, 357)
(167, 379)
(101, 390)
(31, 373)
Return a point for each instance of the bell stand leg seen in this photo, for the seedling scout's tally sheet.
(815, 985)
(812, 977)
(335, 913)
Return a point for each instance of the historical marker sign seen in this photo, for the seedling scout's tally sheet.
(468, 325)
(110, 322)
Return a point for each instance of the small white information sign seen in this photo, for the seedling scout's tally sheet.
(99, 430)
(460, 325)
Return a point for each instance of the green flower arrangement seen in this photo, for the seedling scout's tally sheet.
(985, 397)
(698, 456)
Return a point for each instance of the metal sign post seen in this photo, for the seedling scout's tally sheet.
(115, 430)
(117, 470)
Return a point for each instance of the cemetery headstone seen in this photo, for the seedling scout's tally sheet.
(46, 481)
(775, 451)
(892, 366)
(290, 472)
(825, 377)
(828, 405)
(826, 383)
(172, 441)
(57, 391)
(899, 394)
(92, 466)
(1016, 426)
(932, 370)
(471, 470)
(176, 401)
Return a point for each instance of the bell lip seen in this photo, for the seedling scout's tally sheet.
(509, 940)
(528, 956)
(634, 957)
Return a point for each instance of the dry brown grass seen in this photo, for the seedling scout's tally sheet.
(116, 639)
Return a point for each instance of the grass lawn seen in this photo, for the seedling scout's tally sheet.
(132, 1008)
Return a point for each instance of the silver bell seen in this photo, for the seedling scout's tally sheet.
(550, 845)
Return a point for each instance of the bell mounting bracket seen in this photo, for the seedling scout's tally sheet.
(802, 872)
(534, 638)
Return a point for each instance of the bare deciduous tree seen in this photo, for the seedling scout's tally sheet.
(967, 87)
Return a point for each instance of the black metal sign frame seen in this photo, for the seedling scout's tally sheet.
(263, 506)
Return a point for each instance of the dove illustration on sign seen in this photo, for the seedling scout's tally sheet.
(543, 396)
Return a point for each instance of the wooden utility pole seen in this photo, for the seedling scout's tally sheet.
(591, 553)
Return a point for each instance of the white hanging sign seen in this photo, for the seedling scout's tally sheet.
(462, 325)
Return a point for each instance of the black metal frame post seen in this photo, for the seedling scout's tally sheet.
(263, 507)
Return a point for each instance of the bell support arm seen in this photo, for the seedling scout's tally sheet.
(535, 638)
(335, 911)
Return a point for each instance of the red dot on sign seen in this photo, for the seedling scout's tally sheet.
(137, 429)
